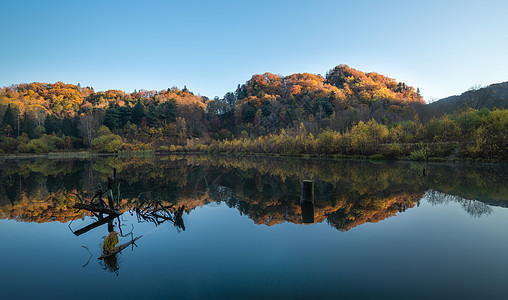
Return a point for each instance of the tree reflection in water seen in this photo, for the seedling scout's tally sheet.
(266, 190)
(111, 264)
(474, 208)
(157, 213)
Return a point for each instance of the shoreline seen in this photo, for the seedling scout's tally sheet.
(151, 153)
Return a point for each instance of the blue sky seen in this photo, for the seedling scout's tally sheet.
(442, 47)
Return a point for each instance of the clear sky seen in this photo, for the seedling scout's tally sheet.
(442, 47)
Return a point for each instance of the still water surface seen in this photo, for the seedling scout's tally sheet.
(369, 230)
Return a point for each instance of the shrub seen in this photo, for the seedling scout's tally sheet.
(420, 154)
(107, 143)
(8, 144)
(394, 150)
(103, 131)
(38, 146)
(109, 243)
(377, 157)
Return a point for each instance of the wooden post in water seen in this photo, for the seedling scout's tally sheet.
(307, 201)
(307, 194)
(109, 193)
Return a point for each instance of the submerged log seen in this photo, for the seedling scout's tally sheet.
(119, 248)
(94, 225)
(95, 208)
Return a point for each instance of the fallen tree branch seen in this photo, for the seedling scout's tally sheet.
(95, 208)
(119, 248)
(94, 225)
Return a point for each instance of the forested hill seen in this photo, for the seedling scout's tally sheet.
(492, 96)
(44, 117)
(265, 103)
(270, 102)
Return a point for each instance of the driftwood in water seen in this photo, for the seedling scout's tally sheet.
(94, 225)
(96, 204)
(96, 208)
(157, 213)
(119, 248)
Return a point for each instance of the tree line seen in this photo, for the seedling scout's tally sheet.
(350, 193)
(346, 112)
(474, 134)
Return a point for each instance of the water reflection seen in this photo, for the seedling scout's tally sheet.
(307, 201)
(103, 209)
(474, 208)
(109, 247)
(269, 191)
(223, 255)
(102, 206)
(157, 213)
(158, 191)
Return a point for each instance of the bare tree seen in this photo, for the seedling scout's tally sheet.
(88, 126)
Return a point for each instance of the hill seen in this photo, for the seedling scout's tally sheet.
(347, 112)
(269, 102)
(266, 103)
(492, 96)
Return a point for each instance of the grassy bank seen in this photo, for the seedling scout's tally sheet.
(78, 154)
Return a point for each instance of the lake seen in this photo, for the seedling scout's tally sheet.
(254, 228)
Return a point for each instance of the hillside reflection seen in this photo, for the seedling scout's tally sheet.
(268, 191)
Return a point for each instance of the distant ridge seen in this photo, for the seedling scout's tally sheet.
(492, 96)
